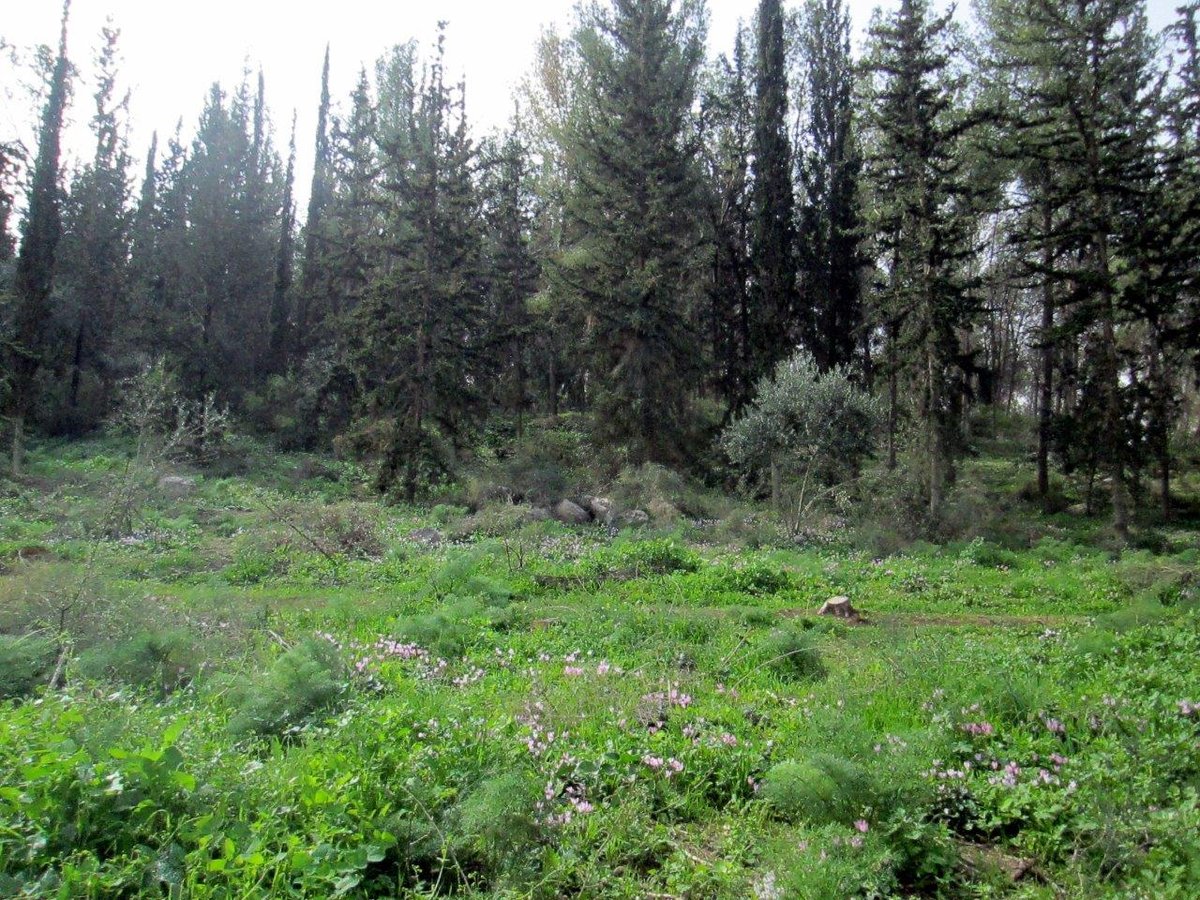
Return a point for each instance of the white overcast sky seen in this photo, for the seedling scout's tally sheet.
(173, 50)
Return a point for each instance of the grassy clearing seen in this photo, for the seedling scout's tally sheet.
(269, 687)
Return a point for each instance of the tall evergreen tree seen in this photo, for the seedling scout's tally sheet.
(923, 221)
(778, 320)
(728, 131)
(633, 226)
(416, 344)
(1087, 83)
(93, 256)
(281, 299)
(514, 273)
(831, 261)
(40, 237)
(314, 274)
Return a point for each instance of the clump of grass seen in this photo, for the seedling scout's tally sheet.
(637, 559)
(793, 655)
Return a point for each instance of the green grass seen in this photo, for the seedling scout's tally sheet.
(271, 691)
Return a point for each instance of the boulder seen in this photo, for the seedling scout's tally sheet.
(635, 518)
(602, 509)
(570, 513)
(839, 608)
(176, 487)
(536, 514)
(664, 511)
(429, 537)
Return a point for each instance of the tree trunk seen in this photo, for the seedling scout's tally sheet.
(18, 443)
(1047, 386)
(937, 443)
(893, 398)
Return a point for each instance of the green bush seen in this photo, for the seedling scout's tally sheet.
(307, 680)
(820, 789)
(162, 661)
(497, 818)
(25, 663)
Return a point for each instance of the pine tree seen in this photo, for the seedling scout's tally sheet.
(225, 239)
(513, 273)
(923, 221)
(632, 226)
(40, 236)
(418, 331)
(831, 261)
(1086, 80)
(778, 321)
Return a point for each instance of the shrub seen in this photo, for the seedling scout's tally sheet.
(793, 655)
(497, 819)
(25, 663)
(347, 529)
(307, 680)
(159, 660)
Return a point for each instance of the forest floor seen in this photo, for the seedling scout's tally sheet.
(271, 685)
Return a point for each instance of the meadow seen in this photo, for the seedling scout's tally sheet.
(257, 680)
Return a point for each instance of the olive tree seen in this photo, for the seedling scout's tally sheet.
(805, 433)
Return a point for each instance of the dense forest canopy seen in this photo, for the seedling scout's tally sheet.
(994, 211)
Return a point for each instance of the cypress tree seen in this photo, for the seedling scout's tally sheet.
(93, 256)
(727, 122)
(777, 322)
(831, 261)
(315, 262)
(40, 236)
(284, 262)
(514, 273)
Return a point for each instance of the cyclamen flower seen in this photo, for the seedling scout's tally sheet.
(862, 826)
(654, 762)
(572, 671)
(603, 669)
(1187, 708)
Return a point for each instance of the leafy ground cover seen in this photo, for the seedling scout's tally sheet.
(268, 685)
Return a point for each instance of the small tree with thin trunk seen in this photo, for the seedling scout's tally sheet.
(804, 434)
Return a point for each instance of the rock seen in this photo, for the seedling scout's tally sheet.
(570, 513)
(430, 537)
(663, 511)
(177, 487)
(840, 608)
(635, 518)
(537, 514)
(602, 510)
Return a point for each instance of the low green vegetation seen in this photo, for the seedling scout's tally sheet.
(260, 682)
